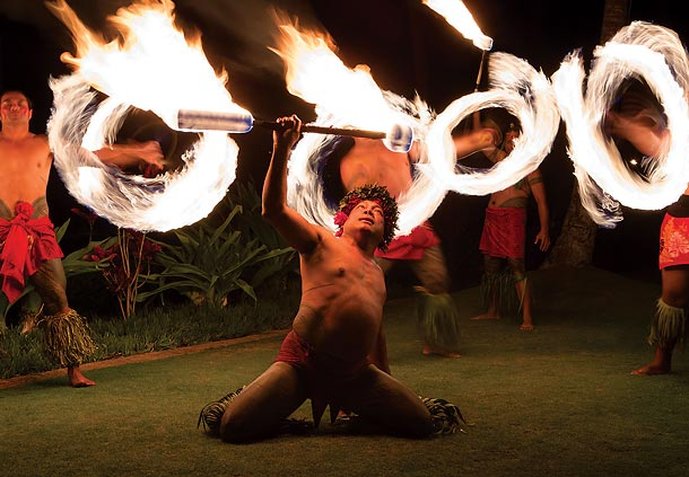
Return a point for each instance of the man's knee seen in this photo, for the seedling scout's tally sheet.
(433, 281)
(492, 265)
(419, 424)
(393, 406)
(675, 298)
(236, 428)
(50, 284)
(435, 285)
(518, 269)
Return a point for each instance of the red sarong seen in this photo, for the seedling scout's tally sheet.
(297, 352)
(320, 371)
(412, 246)
(504, 232)
(674, 241)
(25, 244)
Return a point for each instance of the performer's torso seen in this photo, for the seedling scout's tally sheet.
(370, 162)
(516, 195)
(342, 300)
(24, 171)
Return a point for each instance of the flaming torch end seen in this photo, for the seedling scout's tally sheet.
(483, 42)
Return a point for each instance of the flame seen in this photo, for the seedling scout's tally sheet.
(151, 66)
(314, 73)
(350, 97)
(459, 17)
(643, 50)
(345, 97)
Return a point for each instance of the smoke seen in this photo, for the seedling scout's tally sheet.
(237, 33)
(240, 33)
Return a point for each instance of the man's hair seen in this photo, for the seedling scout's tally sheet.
(12, 90)
(378, 194)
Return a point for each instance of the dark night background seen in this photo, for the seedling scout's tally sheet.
(409, 49)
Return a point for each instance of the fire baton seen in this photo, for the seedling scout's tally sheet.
(398, 139)
(480, 71)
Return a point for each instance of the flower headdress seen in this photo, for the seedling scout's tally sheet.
(375, 193)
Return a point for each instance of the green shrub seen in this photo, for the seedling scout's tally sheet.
(161, 328)
(207, 264)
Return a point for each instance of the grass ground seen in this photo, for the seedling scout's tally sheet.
(558, 401)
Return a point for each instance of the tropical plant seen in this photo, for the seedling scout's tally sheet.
(129, 256)
(208, 264)
(251, 223)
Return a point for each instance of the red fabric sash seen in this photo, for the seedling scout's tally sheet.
(412, 246)
(674, 241)
(504, 232)
(26, 243)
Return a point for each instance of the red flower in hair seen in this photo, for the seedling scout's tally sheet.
(339, 219)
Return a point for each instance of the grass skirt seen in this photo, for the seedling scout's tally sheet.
(439, 320)
(499, 289)
(66, 338)
(668, 327)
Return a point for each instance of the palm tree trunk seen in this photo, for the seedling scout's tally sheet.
(574, 247)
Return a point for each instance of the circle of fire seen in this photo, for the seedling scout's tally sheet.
(305, 187)
(639, 50)
(162, 203)
(527, 94)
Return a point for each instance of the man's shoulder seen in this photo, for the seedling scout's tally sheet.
(34, 147)
(40, 141)
(42, 138)
(30, 138)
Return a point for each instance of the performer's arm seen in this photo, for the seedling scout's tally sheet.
(645, 133)
(477, 139)
(483, 139)
(129, 155)
(538, 189)
(299, 233)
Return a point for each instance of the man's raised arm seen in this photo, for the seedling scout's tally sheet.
(299, 233)
(127, 155)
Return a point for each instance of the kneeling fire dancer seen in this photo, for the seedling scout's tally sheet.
(337, 333)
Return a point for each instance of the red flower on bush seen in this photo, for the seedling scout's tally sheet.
(99, 253)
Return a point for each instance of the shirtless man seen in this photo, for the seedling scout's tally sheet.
(504, 234)
(368, 161)
(639, 119)
(337, 331)
(28, 247)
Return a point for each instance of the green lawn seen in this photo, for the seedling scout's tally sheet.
(556, 402)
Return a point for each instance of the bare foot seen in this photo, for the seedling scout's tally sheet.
(77, 379)
(428, 351)
(486, 316)
(527, 327)
(651, 369)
